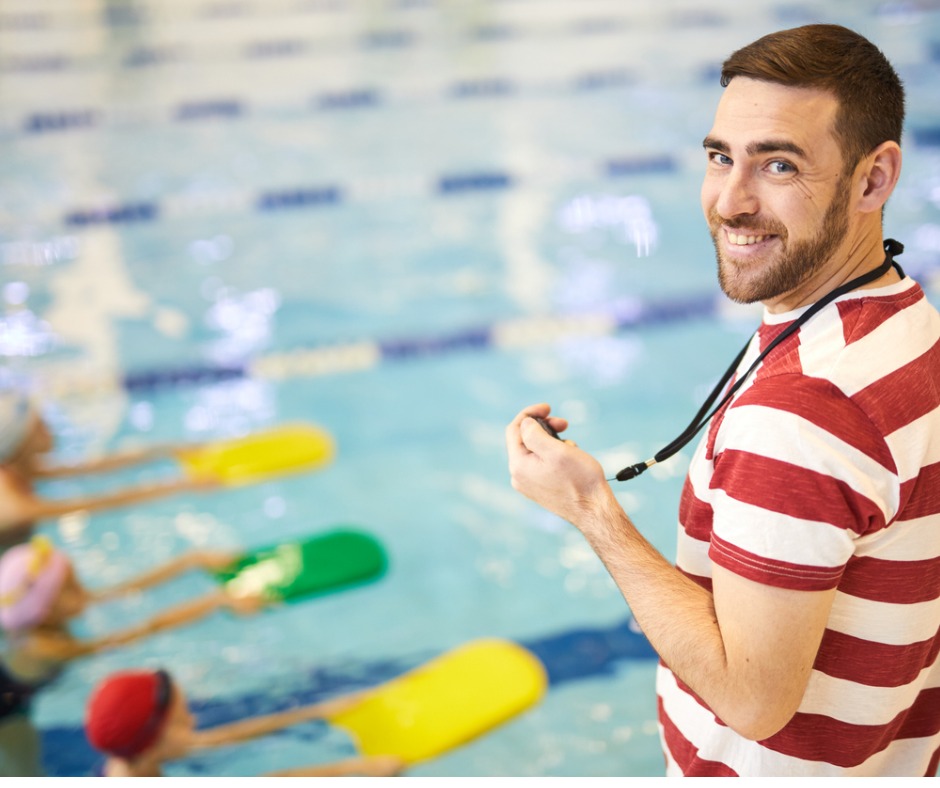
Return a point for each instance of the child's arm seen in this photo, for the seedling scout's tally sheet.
(195, 559)
(43, 509)
(109, 462)
(63, 648)
(364, 766)
(259, 726)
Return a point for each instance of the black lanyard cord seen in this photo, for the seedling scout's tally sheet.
(891, 247)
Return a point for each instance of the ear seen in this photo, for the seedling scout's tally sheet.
(877, 174)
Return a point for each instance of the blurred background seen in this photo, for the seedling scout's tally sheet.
(402, 220)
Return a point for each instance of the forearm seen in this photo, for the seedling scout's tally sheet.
(244, 729)
(108, 462)
(679, 618)
(160, 574)
(171, 618)
(676, 614)
(46, 509)
(745, 647)
(60, 647)
(374, 766)
(260, 726)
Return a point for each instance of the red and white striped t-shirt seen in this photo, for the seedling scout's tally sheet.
(824, 472)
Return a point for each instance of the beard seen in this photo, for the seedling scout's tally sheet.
(787, 269)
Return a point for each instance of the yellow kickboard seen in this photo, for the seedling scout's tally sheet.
(289, 448)
(447, 702)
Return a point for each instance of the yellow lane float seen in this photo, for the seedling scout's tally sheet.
(282, 450)
(446, 702)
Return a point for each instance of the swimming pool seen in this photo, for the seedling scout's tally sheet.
(402, 221)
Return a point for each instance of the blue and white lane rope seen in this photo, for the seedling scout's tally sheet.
(346, 358)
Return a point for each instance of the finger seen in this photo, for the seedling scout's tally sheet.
(541, 409)
(513, 438)
(534, 437)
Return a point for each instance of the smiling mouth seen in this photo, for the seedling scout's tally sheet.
(742, 239)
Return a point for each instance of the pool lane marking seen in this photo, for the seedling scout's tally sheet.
(509, 335)
(323, 196)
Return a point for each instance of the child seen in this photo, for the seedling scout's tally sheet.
(25, 442)
(140, 720)
(40, 594)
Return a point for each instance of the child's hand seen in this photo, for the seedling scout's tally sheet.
(382, 766)
(184, 447)
(199, 482)
(212, 560)
(245, 604)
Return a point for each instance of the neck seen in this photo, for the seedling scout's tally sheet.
(858, 255)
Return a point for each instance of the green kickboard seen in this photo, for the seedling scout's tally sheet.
(321, 564)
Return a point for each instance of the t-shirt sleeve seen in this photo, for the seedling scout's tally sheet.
(800, 473)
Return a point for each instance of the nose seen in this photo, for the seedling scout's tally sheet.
(735, 194)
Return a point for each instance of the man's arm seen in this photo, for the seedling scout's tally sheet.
(746, 649)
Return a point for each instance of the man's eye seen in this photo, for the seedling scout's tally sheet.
(719, 158)
(781, 167)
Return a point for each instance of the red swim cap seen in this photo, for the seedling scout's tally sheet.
(127, 712)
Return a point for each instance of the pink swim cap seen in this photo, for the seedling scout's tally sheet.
(31, 577)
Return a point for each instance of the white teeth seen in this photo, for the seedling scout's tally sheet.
(744, 240)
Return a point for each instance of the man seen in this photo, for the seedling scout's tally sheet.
(800, 628)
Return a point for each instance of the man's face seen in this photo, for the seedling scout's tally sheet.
(774, 194)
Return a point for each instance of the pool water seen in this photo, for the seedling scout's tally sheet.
(402, 221)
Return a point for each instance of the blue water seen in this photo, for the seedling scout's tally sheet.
(402, 221)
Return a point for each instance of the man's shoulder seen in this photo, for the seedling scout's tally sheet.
(788, 412)
(868, 344)
(882, 313)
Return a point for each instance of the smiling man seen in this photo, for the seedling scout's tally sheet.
(799, 629)
(777, 193)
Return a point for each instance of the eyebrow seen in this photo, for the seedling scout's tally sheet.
(766, 146)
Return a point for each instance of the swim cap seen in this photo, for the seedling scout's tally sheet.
(14, 422)
(31, 577)
(127, 712)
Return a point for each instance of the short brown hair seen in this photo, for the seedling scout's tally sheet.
(840, 61)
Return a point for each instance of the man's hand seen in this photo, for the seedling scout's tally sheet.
(747, 651)
(556, 474)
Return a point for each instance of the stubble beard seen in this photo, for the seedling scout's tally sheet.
(789, 267)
